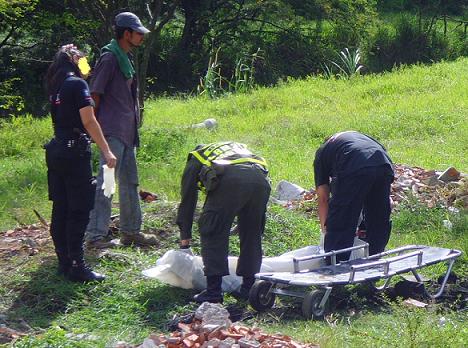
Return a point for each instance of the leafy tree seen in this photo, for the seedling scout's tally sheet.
(154, 14)
(14, 15)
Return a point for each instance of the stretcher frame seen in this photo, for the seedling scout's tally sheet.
(367, 269)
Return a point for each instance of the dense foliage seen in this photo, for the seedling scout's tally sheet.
(292, 38)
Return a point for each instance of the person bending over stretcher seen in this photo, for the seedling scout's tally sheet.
(361, 174)
(236, 184)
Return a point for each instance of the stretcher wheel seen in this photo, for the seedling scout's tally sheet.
(260, 297)
(311, 305)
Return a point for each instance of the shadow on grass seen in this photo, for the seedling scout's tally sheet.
(42, 296)
(165, 302)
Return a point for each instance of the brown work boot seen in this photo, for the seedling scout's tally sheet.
(139, 238)
(101, 243)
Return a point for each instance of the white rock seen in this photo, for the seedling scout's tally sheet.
(148, 343)
(209, 123)
(213, 314)
(286, 191)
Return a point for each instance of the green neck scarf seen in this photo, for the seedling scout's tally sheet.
(125, 65)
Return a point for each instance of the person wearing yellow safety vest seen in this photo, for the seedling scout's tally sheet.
(236, 185)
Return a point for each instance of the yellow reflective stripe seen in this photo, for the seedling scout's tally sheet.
(201, 159)
(209, 149)
(211, 153)
(247, 160)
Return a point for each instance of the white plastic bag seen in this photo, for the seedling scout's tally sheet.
(184, 270)
(180, 269)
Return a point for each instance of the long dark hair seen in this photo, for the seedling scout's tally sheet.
(58, 70)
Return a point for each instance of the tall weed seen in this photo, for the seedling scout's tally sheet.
(214, 84)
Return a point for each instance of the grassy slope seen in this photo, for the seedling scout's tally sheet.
(419, 113)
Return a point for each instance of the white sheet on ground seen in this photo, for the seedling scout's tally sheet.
(183, 270)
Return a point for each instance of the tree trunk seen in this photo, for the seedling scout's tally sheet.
(157, 23)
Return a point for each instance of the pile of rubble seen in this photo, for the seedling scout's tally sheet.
(430, 187)
(211, 327)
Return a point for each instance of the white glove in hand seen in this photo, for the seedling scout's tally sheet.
(322, 240)
(109, 181)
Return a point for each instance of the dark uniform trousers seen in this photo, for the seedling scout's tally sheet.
(368, 190)
(71, 189)
(243, 191)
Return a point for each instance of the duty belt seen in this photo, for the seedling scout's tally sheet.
(67, 142)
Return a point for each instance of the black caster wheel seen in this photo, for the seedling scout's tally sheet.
(311, 305)
(260, 297)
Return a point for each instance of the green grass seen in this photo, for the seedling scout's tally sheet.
(418, 113)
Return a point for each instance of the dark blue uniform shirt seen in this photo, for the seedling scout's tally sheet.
(345, 153)
(65, 107)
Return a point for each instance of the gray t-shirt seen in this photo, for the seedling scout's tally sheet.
(118, 112)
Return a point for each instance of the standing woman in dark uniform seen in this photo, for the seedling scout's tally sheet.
(68, 157)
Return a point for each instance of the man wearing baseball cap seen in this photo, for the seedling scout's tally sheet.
(130, 20)
(114, 88)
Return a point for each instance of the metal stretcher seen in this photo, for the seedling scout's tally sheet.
(366, 269)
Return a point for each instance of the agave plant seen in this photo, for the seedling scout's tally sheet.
(348, 66)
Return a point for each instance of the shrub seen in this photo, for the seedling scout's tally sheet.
(406, 44)
(291, 54)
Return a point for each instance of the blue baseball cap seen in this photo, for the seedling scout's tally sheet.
(130, 20)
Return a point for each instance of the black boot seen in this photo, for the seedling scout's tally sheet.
(64, 264)
(212, 293)
(244, 290)
(80, 272)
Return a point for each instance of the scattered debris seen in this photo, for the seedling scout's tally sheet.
(26, 240)
(211, 327)
(8, 335)
(448, 189)
(148, 196)
(450, 174)
(411, 302)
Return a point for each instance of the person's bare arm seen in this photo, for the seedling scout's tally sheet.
(94, 130)
(323, 193)
(97, 99)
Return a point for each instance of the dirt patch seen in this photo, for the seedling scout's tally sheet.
(23, 241)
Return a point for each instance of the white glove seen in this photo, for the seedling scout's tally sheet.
(109, 181)
(322, 240)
